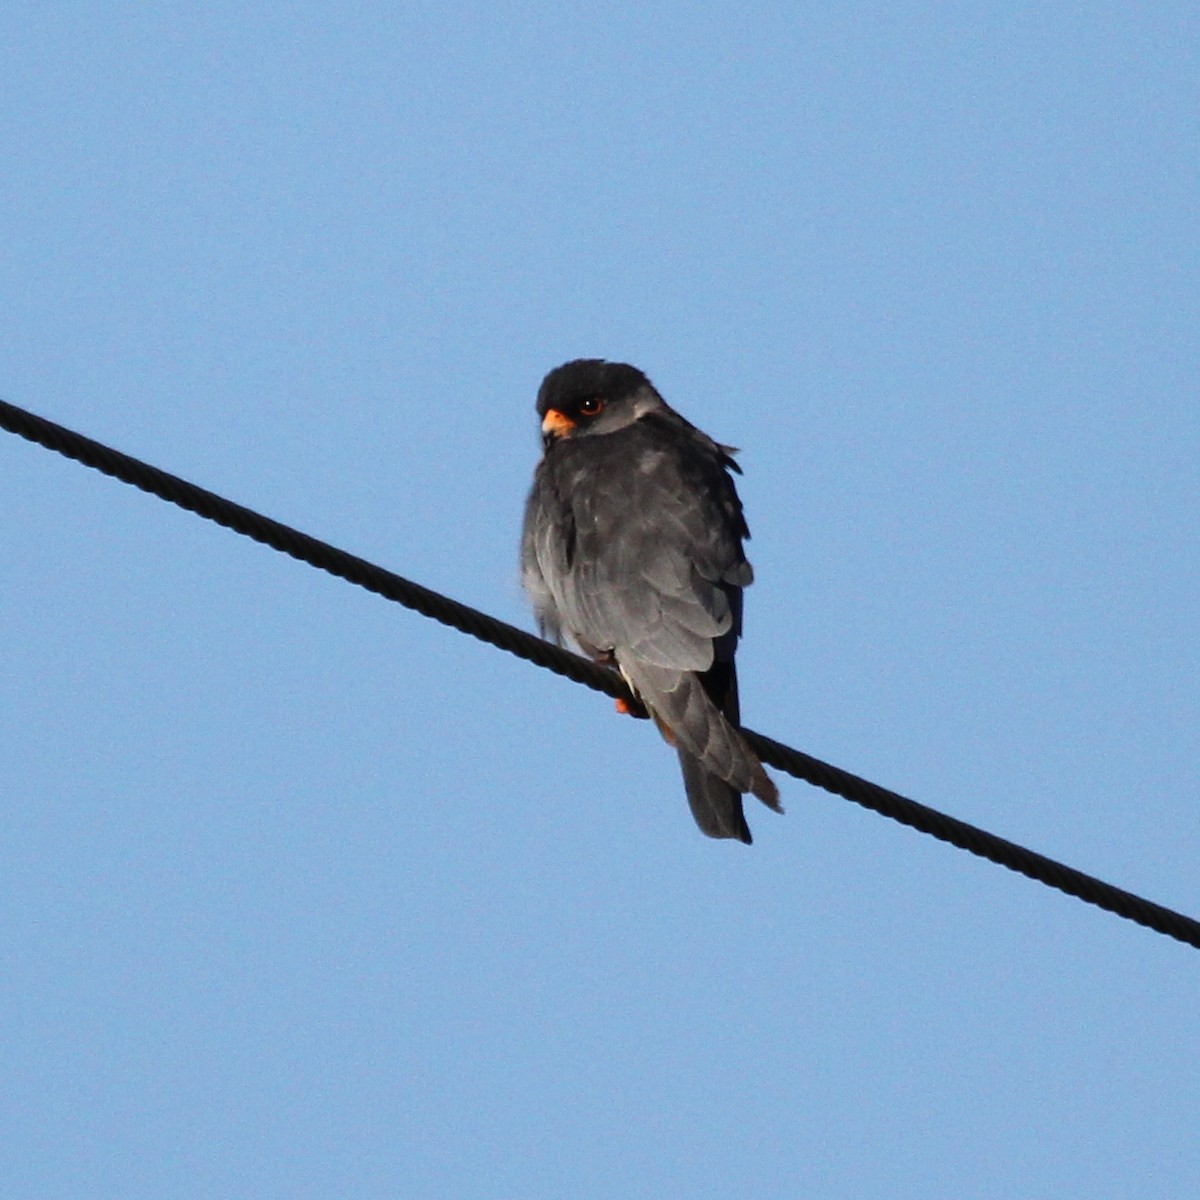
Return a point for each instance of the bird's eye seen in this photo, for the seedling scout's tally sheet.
(592, 406)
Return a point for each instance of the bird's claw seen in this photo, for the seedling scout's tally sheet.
(630, 708)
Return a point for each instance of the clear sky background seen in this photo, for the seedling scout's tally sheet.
(302, 895)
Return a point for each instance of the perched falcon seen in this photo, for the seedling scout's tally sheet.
(632, 549)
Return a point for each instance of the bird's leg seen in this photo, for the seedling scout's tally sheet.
(632, 707)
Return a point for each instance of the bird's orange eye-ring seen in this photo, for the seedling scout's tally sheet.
(592, 406)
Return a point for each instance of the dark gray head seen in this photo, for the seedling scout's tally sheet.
(592, 396)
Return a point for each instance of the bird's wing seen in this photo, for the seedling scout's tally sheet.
(654, 557)
(545, 534)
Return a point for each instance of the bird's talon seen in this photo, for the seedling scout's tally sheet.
(631, 708)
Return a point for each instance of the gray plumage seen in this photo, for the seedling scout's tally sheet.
(632, 549)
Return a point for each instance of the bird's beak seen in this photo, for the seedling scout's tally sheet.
(555, 425)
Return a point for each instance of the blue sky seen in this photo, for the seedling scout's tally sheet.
(302, 895)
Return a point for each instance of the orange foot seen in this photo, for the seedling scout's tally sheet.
(630, 708)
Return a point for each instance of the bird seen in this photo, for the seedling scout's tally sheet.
(632, 549)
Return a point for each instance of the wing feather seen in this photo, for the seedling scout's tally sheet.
(657, 528)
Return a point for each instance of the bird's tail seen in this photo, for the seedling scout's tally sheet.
(717, 763)
(715, 804)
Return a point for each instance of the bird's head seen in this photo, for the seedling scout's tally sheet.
(591, 396)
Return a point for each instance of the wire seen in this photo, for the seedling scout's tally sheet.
(525, 645)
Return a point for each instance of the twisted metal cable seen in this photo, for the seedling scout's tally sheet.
(525, 645)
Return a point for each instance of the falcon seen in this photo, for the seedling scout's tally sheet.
(632, 550)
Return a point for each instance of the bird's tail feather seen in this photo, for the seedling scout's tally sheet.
(688, 717)
(715, 804)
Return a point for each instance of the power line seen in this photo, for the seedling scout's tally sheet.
(525, 645)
